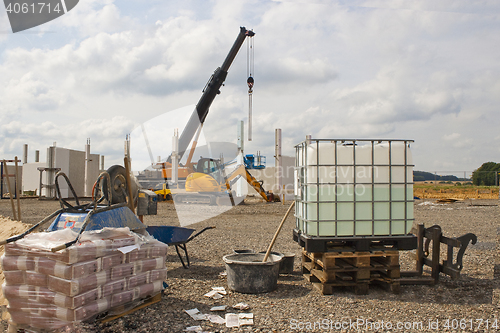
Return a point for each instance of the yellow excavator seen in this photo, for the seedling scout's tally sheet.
(209, 184)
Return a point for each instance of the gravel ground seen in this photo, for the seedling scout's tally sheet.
(470, 301)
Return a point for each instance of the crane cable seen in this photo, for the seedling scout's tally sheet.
(250, 82)
(250, 64)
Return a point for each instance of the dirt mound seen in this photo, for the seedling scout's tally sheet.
(9, 228)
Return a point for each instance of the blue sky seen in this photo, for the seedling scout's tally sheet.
(422, 70)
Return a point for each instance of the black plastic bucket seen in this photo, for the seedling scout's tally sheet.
(243, 251)
(286, 264)
(246, 273)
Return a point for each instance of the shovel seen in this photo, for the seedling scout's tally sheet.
(277, 232)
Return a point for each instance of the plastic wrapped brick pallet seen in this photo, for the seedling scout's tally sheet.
(106, 270)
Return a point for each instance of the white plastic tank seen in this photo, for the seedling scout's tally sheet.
(354, 187)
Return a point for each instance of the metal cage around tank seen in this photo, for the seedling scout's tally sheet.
(350, 188)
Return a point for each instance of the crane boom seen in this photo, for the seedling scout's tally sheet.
(209, 92)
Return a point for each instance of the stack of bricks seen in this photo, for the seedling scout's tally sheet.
(329, 270)
(47, 291)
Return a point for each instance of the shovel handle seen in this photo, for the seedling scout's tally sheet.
(277, 232)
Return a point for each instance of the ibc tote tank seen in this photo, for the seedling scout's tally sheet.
(352, 188)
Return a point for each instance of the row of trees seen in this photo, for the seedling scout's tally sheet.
(420, 176)
(487, 174)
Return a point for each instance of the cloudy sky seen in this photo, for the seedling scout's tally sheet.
(422, 70)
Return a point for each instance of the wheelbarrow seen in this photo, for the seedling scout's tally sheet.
(177, 236)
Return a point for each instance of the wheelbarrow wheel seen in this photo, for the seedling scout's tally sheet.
(118, 178)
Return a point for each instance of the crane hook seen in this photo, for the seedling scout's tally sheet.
(250, 84)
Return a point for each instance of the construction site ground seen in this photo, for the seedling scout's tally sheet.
(435, 190)
(468, 304)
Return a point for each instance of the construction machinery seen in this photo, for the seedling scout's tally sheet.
(210, 184)
(254, 161)
(193, 127)
(205, 180)
(162, 191)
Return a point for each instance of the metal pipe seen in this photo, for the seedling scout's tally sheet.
(25, 153)
(175, 156)
(51, 164)
(250, 117)
(18, 186)
(87, 188)
(277, 156)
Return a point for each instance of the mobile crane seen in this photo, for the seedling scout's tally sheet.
(195, 123)
(206, 179)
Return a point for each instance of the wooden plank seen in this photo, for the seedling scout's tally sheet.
(308, 265)
(389, 260)
(417, 280)
(395, 287)
(390, 274)
(348, 262)
(361, 289)
(311, 278)
(322, 276)
(148, 302)
(325, 289)
(329, 270)
(345, 277)
(343, 264)
(362, 274)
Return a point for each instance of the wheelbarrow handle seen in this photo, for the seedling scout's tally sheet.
(64, 246)
(12, 239)
(198, 233)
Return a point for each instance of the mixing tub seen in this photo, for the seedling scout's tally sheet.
(246, 273)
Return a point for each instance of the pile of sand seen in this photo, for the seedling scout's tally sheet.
(9, 228)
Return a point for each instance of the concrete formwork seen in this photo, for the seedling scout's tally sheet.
(72, 163)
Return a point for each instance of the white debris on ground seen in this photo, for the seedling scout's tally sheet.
(241, 306)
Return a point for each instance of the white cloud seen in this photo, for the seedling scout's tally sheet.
(93, 17)
(31, 92)
(451, 137)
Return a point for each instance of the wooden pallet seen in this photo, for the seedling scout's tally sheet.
(326, 270)
(147, 302)
(15, 328)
